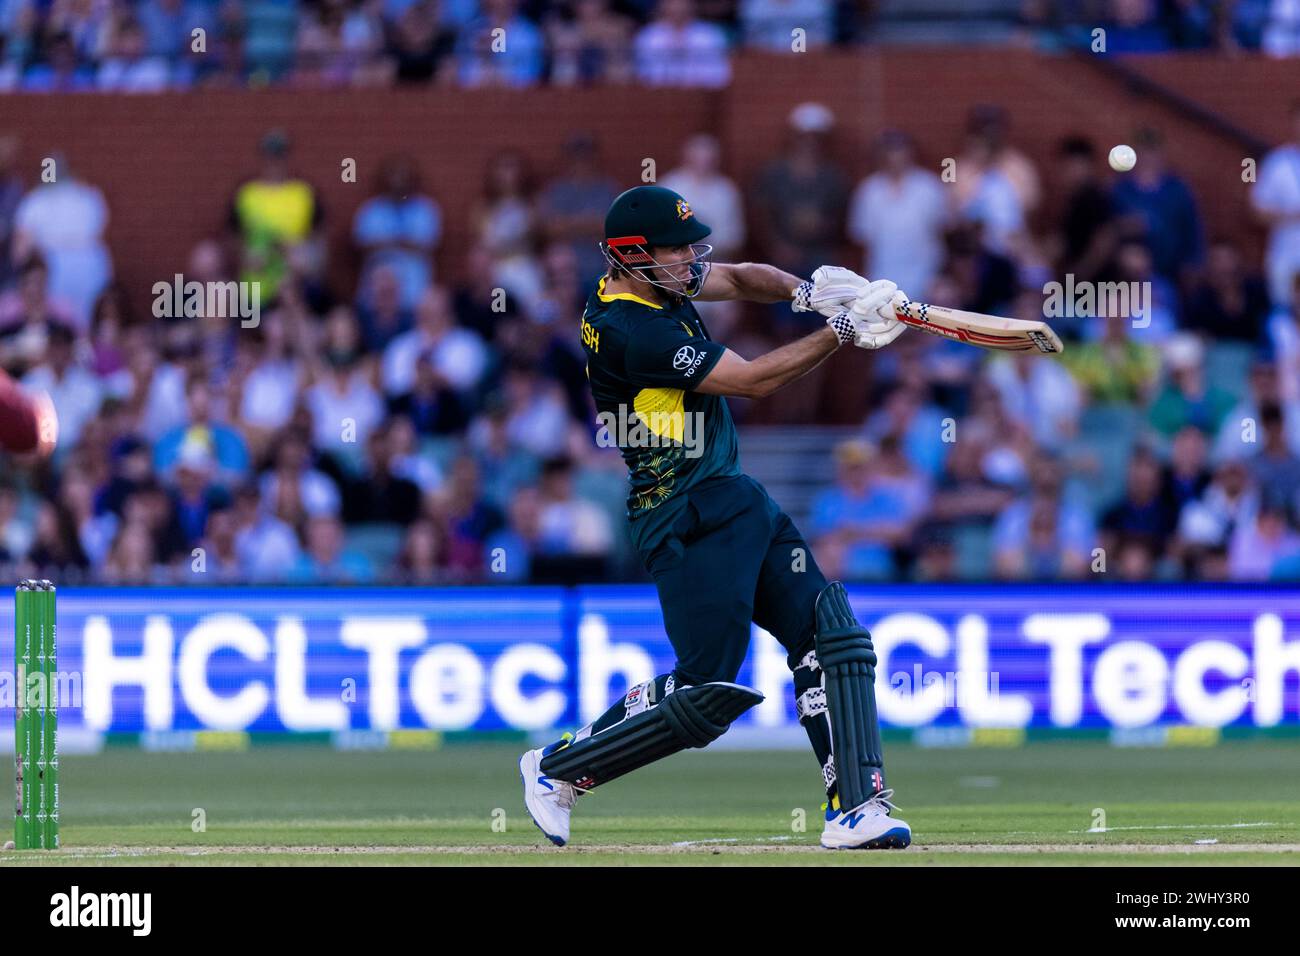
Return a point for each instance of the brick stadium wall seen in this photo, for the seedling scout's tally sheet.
(169, 163)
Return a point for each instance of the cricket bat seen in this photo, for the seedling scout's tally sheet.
(975, 328)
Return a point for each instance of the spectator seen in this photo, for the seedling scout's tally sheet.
(1157, 206)
(1114, 368)
(468, 517)
(1227, 304)
(1239, 435)
(219, 562)
(713, 196)
(507, 468)
(1041, 396)
(909, 417)
(1262, 542)
(998, 186)
(194, 495)
(27, 314)
(457, 356)
(800, 197)
(1276, 469)
(132, 559)
(1275, 199)
(483, 61)
(1144, 513)
(572, 207)
(377, 494)
(338, 44)
(294, 489)
(898, 215)
(1043, 534)
(56, 545)
(1134, 27)
(871, 511)
(1284, 338)
(326, 557)
(203, 431)
(407, 461)
(478, 304)
(344, 403)
(75, 391)
(64, 221)
(11, 194)
(965, 496)
(266, 546)
(422, 556)
(591, 45)
(63, 70)
(381, 312)
(518, 542)
(770, 24)
(1188, 398)
(168, 25)
(1281, 36)
(536, 414)
(399, 228)
(432, 405)
(506, 226)
(678, 49)
(268, 381)
(1137, 293)
(986, 279)
(129, 66)
(1230, 500)
(569, 525)
(1187, 476)
(1087, 238)
(273, 215)
(421, 46)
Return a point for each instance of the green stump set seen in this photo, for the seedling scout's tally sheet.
(36, 720)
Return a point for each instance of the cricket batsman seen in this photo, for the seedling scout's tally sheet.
(721, 552)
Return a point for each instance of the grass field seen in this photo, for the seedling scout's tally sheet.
(1032, 805)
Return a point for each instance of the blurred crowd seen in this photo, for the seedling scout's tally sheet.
(151, 45)
(422, 426)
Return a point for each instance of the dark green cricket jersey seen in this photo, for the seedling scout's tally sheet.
(643, 361)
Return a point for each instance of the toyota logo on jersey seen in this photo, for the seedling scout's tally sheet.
(684, 358)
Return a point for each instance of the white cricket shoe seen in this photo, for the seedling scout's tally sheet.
(868, 827)
(549, 801)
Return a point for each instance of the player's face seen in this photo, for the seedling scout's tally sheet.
(674, 263)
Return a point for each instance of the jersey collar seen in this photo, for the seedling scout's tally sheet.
(600, 294)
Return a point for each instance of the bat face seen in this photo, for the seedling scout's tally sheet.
(974, 328)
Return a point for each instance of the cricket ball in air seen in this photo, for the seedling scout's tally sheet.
(1122, 158)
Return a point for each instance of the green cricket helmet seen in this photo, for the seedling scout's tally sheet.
(646, 217)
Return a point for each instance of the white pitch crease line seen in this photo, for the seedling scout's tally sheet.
(1179, 826)
(775, 839)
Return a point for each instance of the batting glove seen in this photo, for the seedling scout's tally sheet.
(875, 322)
(831, 290)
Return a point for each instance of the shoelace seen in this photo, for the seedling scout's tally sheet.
(569, 793)
(881, 798)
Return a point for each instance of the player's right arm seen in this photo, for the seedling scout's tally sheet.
(870, 323)
(735, 376)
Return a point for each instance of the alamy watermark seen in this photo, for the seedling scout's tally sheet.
(1071, 299)
(629, 428)
(179, 299)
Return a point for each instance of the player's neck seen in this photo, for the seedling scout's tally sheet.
(642, 290)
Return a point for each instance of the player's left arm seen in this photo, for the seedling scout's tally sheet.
(749, 282)
(830, 290)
